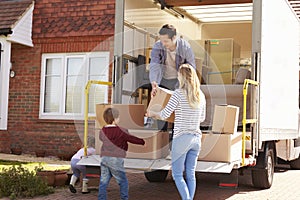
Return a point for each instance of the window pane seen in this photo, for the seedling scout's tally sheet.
(74, 87)
(98, 70)
(97, 66)
(74, 66)
(52, 94)
(98, 94)
(53, 66)
(74, 94)
(52, 90)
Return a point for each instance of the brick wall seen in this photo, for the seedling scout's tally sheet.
(59, 26)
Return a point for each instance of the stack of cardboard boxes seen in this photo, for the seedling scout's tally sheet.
(223, 143)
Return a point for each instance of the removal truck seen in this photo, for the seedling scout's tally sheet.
(264, 89)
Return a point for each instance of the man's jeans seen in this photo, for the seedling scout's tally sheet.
(185, 151)
(112, 167)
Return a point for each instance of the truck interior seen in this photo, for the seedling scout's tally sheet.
(219, 32)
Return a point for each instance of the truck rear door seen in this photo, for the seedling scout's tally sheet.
(275, 54)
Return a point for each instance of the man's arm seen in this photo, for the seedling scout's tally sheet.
(155, 68)
(154, 88)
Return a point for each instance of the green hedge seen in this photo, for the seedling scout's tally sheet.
(17, 181)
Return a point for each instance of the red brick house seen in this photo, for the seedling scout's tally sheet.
(49, 49)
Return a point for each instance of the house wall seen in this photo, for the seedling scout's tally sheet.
(58, 27)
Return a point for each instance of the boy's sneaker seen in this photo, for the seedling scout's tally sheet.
(72, 188)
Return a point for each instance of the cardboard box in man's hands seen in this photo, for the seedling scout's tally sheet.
(159, 102)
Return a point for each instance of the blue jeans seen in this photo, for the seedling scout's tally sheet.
(185, 151)
(112, 167)
(77, 169)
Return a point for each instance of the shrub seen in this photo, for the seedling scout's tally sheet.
(18, 181)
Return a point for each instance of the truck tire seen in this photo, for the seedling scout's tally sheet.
(156, 176)
(263, 178)
(295, 164)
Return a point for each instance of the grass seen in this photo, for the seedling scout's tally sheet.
(5, 164)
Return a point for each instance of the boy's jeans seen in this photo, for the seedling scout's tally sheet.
(112, 167)
(185, 151)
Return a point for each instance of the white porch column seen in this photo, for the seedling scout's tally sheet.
(5, 66)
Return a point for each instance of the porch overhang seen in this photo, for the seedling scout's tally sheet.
(16, 21)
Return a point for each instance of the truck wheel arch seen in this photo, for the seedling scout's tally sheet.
(263, 172)
(260, 159)
(295, 164)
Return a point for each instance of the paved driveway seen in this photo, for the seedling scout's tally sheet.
(285, 186)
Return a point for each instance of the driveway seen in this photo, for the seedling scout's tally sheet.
(285, 186)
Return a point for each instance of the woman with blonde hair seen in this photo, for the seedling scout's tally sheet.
(188, 103)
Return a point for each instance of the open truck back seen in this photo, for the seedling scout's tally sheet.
(270, 53)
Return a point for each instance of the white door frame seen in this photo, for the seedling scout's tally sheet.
(5, 67)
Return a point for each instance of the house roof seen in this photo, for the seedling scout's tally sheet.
(73, 18)
(11, 11)
(296, 6)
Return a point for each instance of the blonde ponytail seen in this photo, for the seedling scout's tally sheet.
(189, 82)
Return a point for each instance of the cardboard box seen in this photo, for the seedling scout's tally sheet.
(156, 144)
(221, 147)
(131, 115)
(159, 102)
(225, 119)
(224, 94)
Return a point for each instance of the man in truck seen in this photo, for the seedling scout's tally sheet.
(167, 54)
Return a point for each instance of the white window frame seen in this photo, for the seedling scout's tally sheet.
(62, 115)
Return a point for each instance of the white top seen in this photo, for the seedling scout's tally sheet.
(80, 153)
(187, 119)
(170, 71)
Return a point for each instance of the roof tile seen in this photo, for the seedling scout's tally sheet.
(61, 18)
(11, 11)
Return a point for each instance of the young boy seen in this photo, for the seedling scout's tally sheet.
(115, 144)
